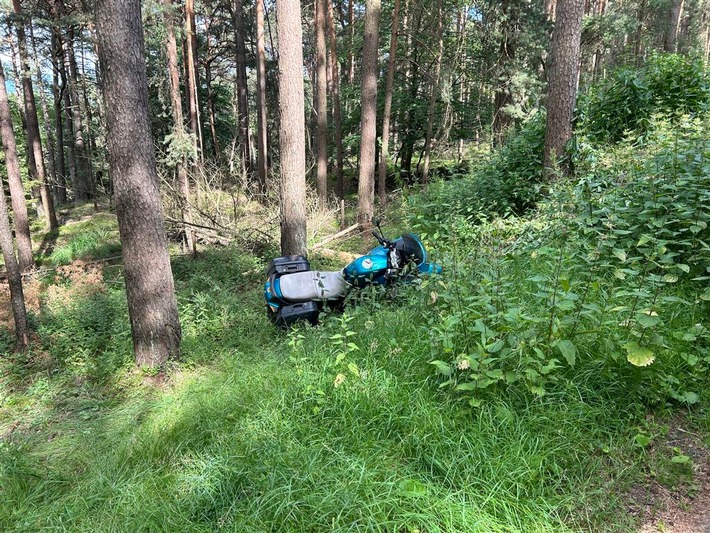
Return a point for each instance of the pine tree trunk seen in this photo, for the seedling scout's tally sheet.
(563, 76)
(17, 192)
(58, 123)
(368, 121)
(351, 48)
(321, 103)
(85, 181)
(292, 132)
(261, 144)
(33, 137)
(191, 76)
(17, 298)
(502, 120)
(337, 116)
(387, 112)
(150, 291)
(242, 89)
(433, 94)
(46, 120)
(670, 43)
(178, 129)
(210, 109)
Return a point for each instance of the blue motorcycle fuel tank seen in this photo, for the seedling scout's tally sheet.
(370, 268)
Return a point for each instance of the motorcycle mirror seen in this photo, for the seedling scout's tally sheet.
(375, 222)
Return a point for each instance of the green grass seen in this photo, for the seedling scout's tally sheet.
(251, 434)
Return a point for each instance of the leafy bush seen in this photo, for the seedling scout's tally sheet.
(602, 284)
(508, 183)
(668, 84)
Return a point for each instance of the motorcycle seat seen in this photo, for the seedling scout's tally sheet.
(312, 285)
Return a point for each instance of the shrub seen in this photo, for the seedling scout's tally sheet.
(668, 84)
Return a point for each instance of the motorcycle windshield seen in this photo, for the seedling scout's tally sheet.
(412, 249)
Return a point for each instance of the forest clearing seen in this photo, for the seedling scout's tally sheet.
(535, 359)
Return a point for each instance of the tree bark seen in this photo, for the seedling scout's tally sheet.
(503, 98)
(321, 103)
(433, 94)
(292, 132)
(33, 137)
(85, 181)
(242, 89)
(14, 178)
(368, 121)
(150, 291)
(563, 76)
(191, 75)
(261, 118)
(17, 298)
(337, 117)
(46, 120)
(671, 40)
(178, 128)
(61, 184)
(387, 112)
(351, 49)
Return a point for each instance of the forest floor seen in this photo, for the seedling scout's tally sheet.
(679, 509)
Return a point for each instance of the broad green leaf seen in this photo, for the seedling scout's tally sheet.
(690, 397)
(621, 254)
(680, 459)
(354, 369)
(706, 295)
(568, 351)
(648, 320)
(638, 356)
(442, 367)
(496, 346)
(641, 440)
(466, 386)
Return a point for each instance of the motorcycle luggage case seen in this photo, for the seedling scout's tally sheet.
(287, 264)
(289, 314)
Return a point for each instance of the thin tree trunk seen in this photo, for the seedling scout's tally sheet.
(387, 112)
(46, 120)
(564, 76)
(337, 117)
(321, 102)
(190, 74)
(150, 290)
(178, 128)
(433, 94)
(210, 109)
(351, 48)
(14, 178)
(242, 89)
(368, 121)
(58, 125)
(33, 137)
(262, 159)
(85, 180)
(292, 132)
(503, 98)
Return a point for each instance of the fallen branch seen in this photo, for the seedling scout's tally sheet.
(336, 236)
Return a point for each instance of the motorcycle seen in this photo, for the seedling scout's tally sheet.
(294, 292)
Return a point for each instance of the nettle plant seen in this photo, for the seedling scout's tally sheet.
(609, 279)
